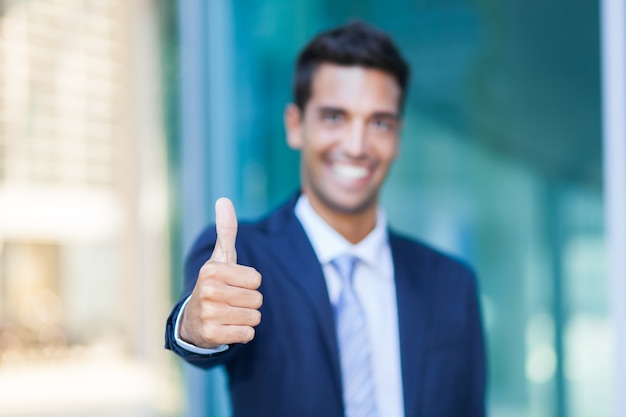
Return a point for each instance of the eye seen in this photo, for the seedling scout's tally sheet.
(332, 117)
(383, 124)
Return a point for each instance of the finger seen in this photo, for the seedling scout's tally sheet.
(218, 315)
(220, 292)
(230, 334)
(231, 274)
(237, 316)
(242, 297)
(226, 228)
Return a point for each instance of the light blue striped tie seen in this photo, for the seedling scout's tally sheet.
(354, 347)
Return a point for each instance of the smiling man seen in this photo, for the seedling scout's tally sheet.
(319, 309)
(347, 133)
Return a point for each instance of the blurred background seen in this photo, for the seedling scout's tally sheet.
(121, 121)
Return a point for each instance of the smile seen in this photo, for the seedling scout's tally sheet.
(350, 172)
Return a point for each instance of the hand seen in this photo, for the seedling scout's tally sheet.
(224, 305)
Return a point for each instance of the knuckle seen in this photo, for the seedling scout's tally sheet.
(209, 311)
(209, 291)
(209, 331)
(208, 271)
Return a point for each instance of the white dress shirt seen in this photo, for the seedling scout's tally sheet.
(374, 285)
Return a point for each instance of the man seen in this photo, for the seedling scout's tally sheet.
(351, 318)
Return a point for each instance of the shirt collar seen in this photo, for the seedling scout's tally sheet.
(329, 244)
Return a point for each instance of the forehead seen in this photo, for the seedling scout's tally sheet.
(354, 88)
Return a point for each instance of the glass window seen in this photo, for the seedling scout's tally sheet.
(500, 165)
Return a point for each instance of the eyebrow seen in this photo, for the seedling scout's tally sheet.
(385, 114)
(330, 109)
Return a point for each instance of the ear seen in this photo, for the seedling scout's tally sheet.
(293, 126)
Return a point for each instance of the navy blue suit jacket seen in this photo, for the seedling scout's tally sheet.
(291, 368)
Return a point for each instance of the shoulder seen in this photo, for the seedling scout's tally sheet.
(447, 283)
(424, 257)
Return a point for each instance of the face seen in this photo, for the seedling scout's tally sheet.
(348, 137)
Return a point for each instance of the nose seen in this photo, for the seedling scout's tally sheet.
(354, 143)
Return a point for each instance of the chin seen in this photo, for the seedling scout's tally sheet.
(349, 207)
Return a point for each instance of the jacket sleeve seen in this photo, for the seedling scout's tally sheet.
(199, 360)
(199, 254)
(477, 382)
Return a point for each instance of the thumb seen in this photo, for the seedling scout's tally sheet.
(226, 228)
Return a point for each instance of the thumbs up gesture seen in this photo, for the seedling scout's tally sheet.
(224, 305)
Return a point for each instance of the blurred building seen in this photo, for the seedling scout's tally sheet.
(84, 238)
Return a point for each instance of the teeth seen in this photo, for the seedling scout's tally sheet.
(349, 172)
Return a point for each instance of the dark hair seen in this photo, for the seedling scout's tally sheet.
(354, 44)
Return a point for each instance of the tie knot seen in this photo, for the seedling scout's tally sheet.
(345, 265)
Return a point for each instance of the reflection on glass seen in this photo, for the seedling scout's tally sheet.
(500, 165)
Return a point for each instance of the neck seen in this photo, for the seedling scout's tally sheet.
(353, 226)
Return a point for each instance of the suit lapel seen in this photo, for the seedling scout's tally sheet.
(413, 321)
(306, 274)
(411, 273)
